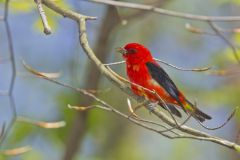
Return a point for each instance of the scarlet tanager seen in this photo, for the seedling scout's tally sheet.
(144, 71)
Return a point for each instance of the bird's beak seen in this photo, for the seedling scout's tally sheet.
(121, 50)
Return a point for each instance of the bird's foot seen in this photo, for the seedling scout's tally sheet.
(152, 106)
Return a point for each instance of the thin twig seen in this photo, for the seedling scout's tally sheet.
(233, 30)
(223, 124)
(180, 125)
(166, 12)
(184, 69)
(46, 28)
(168, 64)
(99, 91)
(228, 42)
(157, 124)
(114, 63)
(13, 67)
(42, 124)
(84, 108)
(197, 30)
(15, 151)
(133, 110)
(223, 72)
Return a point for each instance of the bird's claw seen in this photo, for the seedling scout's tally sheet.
(152, 106)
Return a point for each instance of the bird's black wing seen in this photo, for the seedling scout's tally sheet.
(162, 78)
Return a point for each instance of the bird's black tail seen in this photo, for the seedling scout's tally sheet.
(196, 113)
(188, 108)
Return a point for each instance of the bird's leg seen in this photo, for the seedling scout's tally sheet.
(152, 106)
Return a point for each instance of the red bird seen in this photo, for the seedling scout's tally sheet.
(143, 70)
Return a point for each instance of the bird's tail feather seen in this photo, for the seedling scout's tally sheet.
(173, 109)
(196, 113)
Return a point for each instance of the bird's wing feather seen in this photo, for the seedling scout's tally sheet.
(162, 78)
(159, 75)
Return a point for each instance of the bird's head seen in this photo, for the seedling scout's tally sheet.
(135, 53)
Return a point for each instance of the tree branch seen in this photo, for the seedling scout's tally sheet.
(46, 28)
(228, 42)
(165, 12)
(81, 19)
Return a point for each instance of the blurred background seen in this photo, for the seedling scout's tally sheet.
(100, 135)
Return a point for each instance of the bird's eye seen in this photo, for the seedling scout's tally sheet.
(132, 50)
